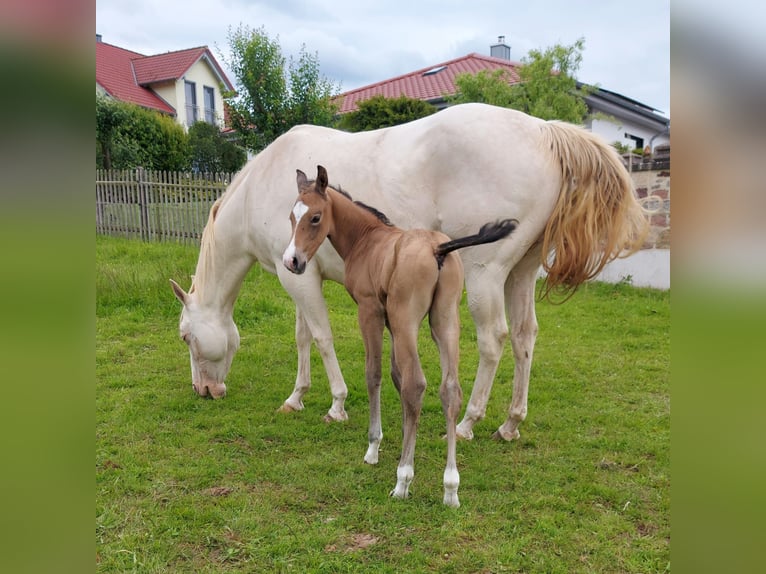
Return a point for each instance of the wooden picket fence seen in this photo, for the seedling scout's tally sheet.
(156, 205)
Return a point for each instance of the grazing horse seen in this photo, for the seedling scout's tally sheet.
(454, 170)
(396, 278)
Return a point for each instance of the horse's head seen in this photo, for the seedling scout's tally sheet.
(311, 220)
(212, 338)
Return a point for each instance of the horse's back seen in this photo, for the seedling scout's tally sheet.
(451, 171)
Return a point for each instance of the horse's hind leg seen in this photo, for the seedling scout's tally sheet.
(306, 291)
(445, 330)
(520, 297)
(486, 303)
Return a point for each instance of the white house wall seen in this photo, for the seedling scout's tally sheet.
(614, 131)
(201, 74)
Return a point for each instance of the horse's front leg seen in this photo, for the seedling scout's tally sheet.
(520, 295)
(371, 321)
(303, 379)
(312, 315)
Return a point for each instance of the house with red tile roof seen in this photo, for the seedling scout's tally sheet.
(613, 116)
(185, 84)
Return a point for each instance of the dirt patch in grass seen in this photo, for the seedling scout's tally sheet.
(357, 541)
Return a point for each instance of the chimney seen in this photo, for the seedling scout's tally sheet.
(501, 49)
(98, 37)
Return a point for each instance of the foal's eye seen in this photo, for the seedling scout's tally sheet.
(315, 219)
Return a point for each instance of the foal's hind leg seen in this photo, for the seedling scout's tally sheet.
(445, 330)
(520, 296)
(413, 387)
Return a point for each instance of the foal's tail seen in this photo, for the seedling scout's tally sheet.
(597, 217)
(488, 233)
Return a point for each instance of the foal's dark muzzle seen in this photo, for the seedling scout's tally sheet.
(298, 266)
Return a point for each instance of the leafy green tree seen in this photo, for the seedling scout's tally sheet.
(310, 96)
(487, 87)
(381, 112)
(273, 97)
(547, 86)
(110, 115)
(211, 152)
(130, 136)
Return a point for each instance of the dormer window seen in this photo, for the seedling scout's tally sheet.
(435, 70)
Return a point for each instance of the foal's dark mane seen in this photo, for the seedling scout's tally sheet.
(379, 214)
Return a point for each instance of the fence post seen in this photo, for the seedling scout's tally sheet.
(143, 202)
(99, 201)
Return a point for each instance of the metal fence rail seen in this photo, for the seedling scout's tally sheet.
(156, 205)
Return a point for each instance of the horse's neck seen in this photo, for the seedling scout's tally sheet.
(352, 224)
(223, 261)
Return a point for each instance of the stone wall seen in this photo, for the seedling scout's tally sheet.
(651, 178)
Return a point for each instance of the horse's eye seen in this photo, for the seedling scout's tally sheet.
(316, 218)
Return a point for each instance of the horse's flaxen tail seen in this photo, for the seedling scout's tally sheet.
(488, 233)
(597, 217)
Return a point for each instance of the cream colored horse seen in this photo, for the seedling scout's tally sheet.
(451, 171)
(396, 278)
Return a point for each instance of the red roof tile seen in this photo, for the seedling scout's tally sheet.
(422, 85)
(114, 73)
(126, 75)
(173, 65)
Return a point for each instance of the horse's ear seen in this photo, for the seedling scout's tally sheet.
(321, 183)
(180, 294)
(301, 179)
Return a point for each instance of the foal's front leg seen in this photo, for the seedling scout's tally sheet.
(371, 320)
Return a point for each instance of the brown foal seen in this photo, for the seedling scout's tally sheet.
(396, 277)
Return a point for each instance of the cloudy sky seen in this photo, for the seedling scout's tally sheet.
(627, 44)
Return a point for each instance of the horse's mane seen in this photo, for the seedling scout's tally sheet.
(207, 243)
(379, 214)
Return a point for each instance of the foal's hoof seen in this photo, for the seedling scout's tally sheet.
(451, 500)
(506, 436)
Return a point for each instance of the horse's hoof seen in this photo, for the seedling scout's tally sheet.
(464, 433)
(331, 417)
(506, 436)
(288, 408)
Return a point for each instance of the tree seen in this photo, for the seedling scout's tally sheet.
(487, 87)
(211, 152)
(380, 112)
(271, 97)
(130, 136)
(110, 115)
(547, 86)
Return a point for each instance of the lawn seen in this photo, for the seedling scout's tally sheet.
(185, 484)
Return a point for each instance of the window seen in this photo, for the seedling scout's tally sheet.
(209, 104)
(638, 142)
(192, 111)
(435, 70)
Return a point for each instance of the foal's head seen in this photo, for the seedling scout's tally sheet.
(311, 219)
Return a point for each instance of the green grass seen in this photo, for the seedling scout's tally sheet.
(185, 484)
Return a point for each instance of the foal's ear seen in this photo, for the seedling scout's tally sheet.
(321, 183)
(301, 179)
